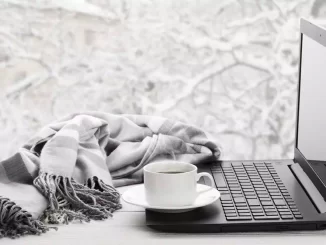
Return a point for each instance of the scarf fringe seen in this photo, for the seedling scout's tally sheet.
(69, 200)
(15, 222)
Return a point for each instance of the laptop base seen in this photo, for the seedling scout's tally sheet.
(213, 218)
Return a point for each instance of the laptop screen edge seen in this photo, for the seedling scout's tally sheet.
(318, 34)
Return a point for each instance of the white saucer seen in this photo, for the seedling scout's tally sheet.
(136, 196)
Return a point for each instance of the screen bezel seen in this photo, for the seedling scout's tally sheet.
(318, 34)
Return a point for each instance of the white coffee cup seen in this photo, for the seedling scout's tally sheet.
(172, 183)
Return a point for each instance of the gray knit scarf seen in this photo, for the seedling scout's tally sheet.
(70, 169)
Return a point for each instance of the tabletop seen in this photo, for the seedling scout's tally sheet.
(127, 226)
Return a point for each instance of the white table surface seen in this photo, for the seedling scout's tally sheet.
(128, 227)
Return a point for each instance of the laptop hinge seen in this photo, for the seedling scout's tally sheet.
(309, 187)
(310, 172)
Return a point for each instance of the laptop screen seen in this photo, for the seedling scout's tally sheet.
(311, 139)
(311, 131)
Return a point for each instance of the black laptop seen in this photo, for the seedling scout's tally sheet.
(272, 195)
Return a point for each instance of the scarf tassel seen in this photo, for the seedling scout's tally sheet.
(69, 200)
(15, 222)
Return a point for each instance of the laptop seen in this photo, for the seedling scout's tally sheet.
(272, 195)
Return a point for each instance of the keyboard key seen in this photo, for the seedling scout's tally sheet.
(283, 209)
(251, 171)
(227, 202)
(231, 215)
(273, 191)
(271, 213)
(227, 205)
(243, 178)
(245, 215)
(258, 185)
(279, 202)
(249, 193)
(250, 168)
(265, 199)
(281, 206)
(265, 176)
(245, 183)
(229, 208)
(270, 184)
(267, 203)
(228, 172)
(241, 204)
(298, 216)
(230, 175)
(297, 213)
(240, 172)
(225, 192)
(248, 164)
(236, 192)
(229, 211)
(263, 195)
(219, 180)
(258, 214)
(237, 195)
(269, 208)
(261, 192)
(251, 196)
(276, 194)
(256, 208)
(242, 175)
(239, 200)
(236, 164)
(266, 217)
(286, 216)
(233, 186)
(255, 179)
(239, 218)
(232, 181)
(226, 197)
(285, 213)
(242, 208)
(253, 202)
(277, 198)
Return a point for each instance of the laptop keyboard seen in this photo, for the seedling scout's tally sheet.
(253, 191)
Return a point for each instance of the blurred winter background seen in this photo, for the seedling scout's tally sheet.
(228, 66)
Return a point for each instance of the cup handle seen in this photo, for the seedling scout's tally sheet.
(212, 184)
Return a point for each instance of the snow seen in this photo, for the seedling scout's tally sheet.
(229, 67)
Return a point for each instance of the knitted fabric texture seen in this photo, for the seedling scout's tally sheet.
(70, 169)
